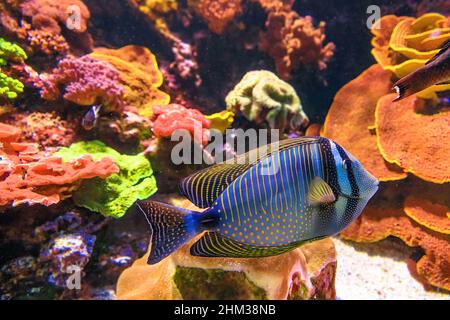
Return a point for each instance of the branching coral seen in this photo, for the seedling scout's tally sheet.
(11, 52)
(10, 87)
(217, 13)
(168, 119)
(113, 196)
(263, 98)
(139, 76)
(293, 42)
(30, 176)
(87, 81)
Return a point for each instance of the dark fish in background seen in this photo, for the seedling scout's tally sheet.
(435, 71)
(302, 190)
(90, 119)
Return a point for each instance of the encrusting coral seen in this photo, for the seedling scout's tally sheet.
(31, 176)
(304, 273)
(263, 98)
(294, 42)
(87, 81)
(114, 195)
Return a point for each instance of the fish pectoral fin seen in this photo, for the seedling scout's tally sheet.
(320, 192)
(212, 244)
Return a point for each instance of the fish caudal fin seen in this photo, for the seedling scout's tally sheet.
(171, 228)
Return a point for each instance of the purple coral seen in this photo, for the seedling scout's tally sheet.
(87, 81)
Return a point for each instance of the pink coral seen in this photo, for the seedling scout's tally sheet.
(30, 176)
(168, 119)
(87, 81)
(293, 41)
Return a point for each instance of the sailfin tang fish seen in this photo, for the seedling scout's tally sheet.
(435, 71)
(90, 119)
(302, 190)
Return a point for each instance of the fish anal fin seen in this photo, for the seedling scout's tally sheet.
(320, 192)
(212, 244)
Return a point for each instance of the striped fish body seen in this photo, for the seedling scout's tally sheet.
(267, 205)
(307, 189)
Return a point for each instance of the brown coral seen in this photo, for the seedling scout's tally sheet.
(413, 139)
(351, 119)
(293, 42)
(217, 13)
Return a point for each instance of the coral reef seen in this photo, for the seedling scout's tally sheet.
(87, 81)
(114, 195)
(30, 176)
(139, 76)
(263, 98)
(293, 42)
(305, 273)
(42, 23)
(401, 141)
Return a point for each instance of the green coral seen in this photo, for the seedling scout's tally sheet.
(262, 97)
(10, 51)
(9, 87)
(113, 196)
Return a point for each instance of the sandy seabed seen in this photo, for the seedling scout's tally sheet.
(378, 271)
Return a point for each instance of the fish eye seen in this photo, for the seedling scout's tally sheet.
(346, 164)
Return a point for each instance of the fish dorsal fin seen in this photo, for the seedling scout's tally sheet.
(445, 47)
(320, 192)
(256, 155)
(212, 244)
(205, 186)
